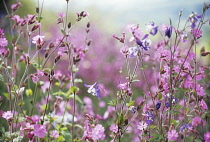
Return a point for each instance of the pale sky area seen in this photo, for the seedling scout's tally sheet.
(119, 13)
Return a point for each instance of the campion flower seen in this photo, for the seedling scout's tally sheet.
(94, 90)
(207, 137)
(35, 118)
(38, 40)
(114, 128)
(142, 126)
(39, 130)
(196, 33)
(203, 105)
(3, 42)
(17, 19)
(172, 135)
(14, 7)
(98, 132)
(7, 115)
(197, 121)
(54, 134)
(152, 28)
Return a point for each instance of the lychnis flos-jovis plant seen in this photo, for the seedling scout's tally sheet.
(161, 92)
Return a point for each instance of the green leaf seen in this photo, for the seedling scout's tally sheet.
(72, 90)
(59, 93)
(1, 78)
(160, 97)
(63, 32)
(76, 97)
(120, 119)
(112, 103)
(39, 19)
(131, 103)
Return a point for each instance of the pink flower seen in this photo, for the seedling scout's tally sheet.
(142, 125)
(207, 137)
(172, 135)
(197, 121)
(7, 115)
(35, 79)
(54, 134)
(14, 7)
(114, 128)
(38, 40)
(3, 42)
(17, 19)
(40, 73)
(39, 130)
(98, 132)
(203, 105)
(61, 15)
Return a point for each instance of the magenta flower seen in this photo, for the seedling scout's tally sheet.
(203, 105)
(114, 128)
(142, 125)
(14, 7)
(3, 42)
(7, 115)
(54, 134)
(98, 132)
(35, 118)
(38, 40)
(35, 79)
(207, 137)
(39, 130)
(196, 33)
(172, 135)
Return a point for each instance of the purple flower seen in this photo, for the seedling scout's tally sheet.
(133, 51)
(39, 130)
(185, 127)
(145, 43)
(114, 128)
(168, 31)
(172, 135)
(158, 104)
(193, 18)
(149, 117)
(93, 89)
(197, 121)
(7, 115)
(152, 28)
(133, 109)
(207, 137)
